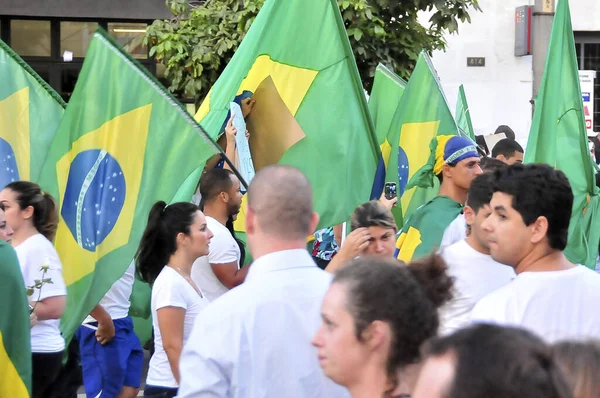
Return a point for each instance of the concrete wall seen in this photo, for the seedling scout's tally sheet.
(110, 9)
(585, 14)
(498, 93)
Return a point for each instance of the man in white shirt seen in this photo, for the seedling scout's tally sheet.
(111, 353)
(220, 271)
(457, 230)
(528, 229)
(469, 262)
(255, 341)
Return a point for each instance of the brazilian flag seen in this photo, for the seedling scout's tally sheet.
(558, 137)
(122, 144)
(383, 102)
(15, 344)
(421, 114)
(310, 108)
(30, 111)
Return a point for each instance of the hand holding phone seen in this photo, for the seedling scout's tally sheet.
(390, 190)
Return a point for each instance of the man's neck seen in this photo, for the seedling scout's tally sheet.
(264, 244)
(544, 259)
(476, 245)
(453, 192)
(216, 211)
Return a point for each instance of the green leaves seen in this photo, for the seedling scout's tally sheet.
(196, 45)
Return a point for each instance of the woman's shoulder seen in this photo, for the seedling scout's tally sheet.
(36, 247)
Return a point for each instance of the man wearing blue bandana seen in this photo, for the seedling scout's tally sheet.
(454, 161)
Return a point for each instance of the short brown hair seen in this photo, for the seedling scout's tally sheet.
(281, 197)
(372, 214)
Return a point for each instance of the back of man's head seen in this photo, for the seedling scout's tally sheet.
(491, 361)
(507, 148)
(489, 165)
(508, 132)
(281, 199)
(538, 190)
(480, 192)
(213, 182)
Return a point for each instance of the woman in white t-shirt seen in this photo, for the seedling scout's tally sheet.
(33, 217)
(175, 236)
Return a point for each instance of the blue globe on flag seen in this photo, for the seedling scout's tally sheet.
(402, 170)
(94, 197)
(9, 171)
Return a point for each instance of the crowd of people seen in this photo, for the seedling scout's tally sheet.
(472, 297)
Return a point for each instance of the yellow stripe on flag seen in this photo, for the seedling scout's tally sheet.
(414, 140)
(124, 138)
(11, 384)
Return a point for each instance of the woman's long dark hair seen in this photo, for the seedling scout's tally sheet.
(45, 214)
(159, 240)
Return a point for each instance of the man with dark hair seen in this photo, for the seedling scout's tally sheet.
(528, 230)
(508, 132)
(254, 341)
(489, 165)
(474, 271)
(221, 199)
(454, 161)
(490, 361)
(508, 151)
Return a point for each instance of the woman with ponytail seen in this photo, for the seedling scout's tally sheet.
(376, 315)
(33, 217)
(176, 235)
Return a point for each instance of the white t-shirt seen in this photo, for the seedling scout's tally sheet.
(475, 275)
(557, 305)
(171, 290)
(455, 232)
(223, 250)
(35, 252)
(116, 300)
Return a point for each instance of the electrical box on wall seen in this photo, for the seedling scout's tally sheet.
(523, 21)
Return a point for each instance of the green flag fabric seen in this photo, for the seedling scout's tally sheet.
(15, 343)
(422, 114)
(558, 137)
(384, 99)
(424, 230)
(310, 109)
(122, 144)
(30, 111)
(383, 102)
(463, 114)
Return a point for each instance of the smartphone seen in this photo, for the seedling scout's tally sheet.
(390, 190)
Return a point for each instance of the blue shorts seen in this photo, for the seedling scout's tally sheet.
(107, 368)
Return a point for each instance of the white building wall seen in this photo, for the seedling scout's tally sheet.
(500, 92)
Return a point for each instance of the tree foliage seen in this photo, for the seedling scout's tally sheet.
(201, 38)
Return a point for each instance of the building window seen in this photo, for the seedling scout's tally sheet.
(75, 37)
(30, 38)
(588, 56)
(130, 37)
